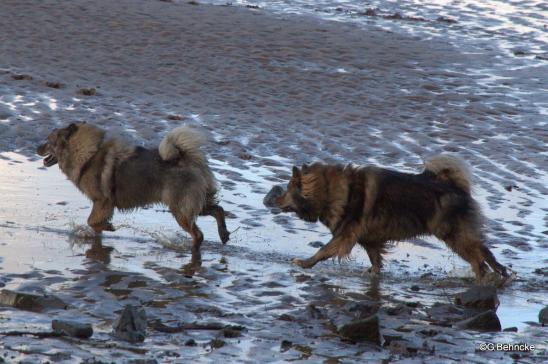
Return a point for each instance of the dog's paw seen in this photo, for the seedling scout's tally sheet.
(225, 236)
(301, 263)
(108, 227)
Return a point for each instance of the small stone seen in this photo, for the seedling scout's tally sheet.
(22, 77)
(398, 310)
(362, 330)
(190, 342)
(415, 288)
(478, 297)
(54, 84)
(231, 333)
(131, 325)
(543, 316)
(270, 199)
(316, 244)
(511, 329)
(314, 312)
(88, 91)
(285, 345)
(286, 317)
(485, 321)
(217, 343)
(72, 328)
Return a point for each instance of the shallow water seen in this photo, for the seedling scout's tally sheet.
(272, 90)
(45, 248)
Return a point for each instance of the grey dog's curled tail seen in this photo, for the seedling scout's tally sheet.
(183, 143)
(451, 169)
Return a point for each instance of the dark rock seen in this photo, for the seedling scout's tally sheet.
(445, 314)
(485, 321)
(54, 84)
(511, 329)
(217, 343)
(314, 312)
(231, 333)
(316, 244)
(543, 316)
(399, 309)
(541, 271)
(22, 77)
(285, 345)
(270, 199)
(391, 336)
(190, 342)
(286, 317)
(362, 330)
(131, 325)
(30, 302)
(415, 288)
(88, 91)
(362, 309)
(142, 361)
(478, 297)
(444, 19)
(429, 332)
(72, 328)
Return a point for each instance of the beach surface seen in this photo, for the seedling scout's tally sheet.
(271, 89)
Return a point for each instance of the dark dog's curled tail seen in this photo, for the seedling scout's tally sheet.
(183, 143)
(452, 170)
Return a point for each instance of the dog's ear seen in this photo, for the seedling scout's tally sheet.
(296, 173)
(68, 131)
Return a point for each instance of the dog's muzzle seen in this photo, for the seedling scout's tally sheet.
(49, 159)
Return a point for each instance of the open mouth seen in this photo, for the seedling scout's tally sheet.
(50, 160)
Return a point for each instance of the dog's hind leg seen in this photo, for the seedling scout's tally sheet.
(190, 227)
(219, 214)
(490, 259)
(468, 250)
(374, 251)
(100, 216)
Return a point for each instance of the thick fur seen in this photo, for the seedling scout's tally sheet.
(372, 206)
(114, 174)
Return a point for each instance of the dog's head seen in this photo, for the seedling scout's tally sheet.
(57, 141)
(300, 196)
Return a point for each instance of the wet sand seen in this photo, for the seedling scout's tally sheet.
(272, 90)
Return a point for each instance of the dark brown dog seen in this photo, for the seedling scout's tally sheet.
(372, 206)
(113, 174)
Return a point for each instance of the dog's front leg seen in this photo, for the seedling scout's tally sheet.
(100, 216)
(340, 245)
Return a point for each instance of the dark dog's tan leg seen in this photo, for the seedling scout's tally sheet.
(219, 214)
(374, 253)
(100, 216)
(339, 245)
(469, 250)
(490, 259)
